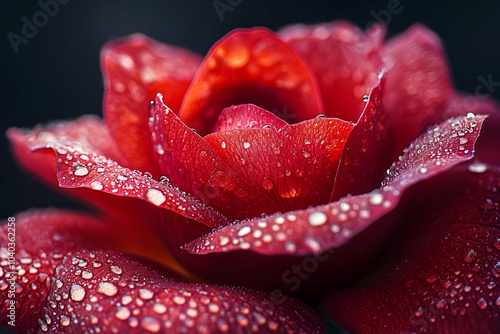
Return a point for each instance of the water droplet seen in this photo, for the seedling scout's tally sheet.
(376, 199)
(122, 313)
(267, 183)
(122, 177)
(312, 244)
(482, 304)
(223, 144)
(107, 288)
(64, 320)
(192, 313)
(81, 170)
(116, 270)
(306, 154)
(42, 325)
(59, 284)
(77, 292)
(422, 170)
(224, 240)
(126, 300)
(365, 98)
(471, 257)
(463, 141)
(159, 308)
(244, 231)
(146, 294)
(159, 149)
(477, 167)
(151, 324)
(156, 197)
(96, 185)
(179, 300)
(317, 218)
(246, 145)
(96, 264)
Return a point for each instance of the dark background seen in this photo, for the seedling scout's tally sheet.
(56, 74)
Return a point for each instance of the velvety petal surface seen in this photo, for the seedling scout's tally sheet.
(79, 164)
(364, 159)
(251, 66)
(345, 60)
(417, 84)
(294, 166)
(135, 69)
(316, 229)
(191, 164)
(445, 274)
(63, 282)
(246, 116)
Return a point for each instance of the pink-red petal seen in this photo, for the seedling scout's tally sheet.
(345, 60)
(364, 159)
(294, 166)
(246, 116)
(316, 229)
(194, 166)
(251, 66)
(444, 272)
(64, 283)
(418, 85)
(135, 69)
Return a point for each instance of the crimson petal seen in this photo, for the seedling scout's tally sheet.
(193, 165)
(365, 157)
(417, 83)
(81, 165)
(251, 66)
(316, 229)
(63, 282)
(445, 276)
(246, 116)
(294, 166)
(135, 68)
(345, 60)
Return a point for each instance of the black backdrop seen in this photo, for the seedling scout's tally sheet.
(55, 75)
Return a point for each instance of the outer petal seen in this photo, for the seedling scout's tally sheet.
(193, 165)
(80, 165)
(294, 166)
(345, 60)
(63, 283)
(445, 276)
(366, 219)
(135, 68)
(251, 66)
(418, 83)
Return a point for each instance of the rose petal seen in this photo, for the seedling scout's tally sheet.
(487, 145)
(195, 167)
(294, 166)
(316, 229)
(135, 68)
(364, 159)
(345, 60)
(81, 165)
(65, 284)
(417, 83)
(251, 66)
(445, 276)
(246, 116)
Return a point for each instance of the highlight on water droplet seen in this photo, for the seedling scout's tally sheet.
(80, 170)
(107, 288)
(155, 196)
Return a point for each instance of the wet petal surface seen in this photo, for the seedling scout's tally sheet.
(135, 69)
(64, 283)
(316, 229)
(251, 66)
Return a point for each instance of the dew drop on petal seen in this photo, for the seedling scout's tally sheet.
(376, 199)
(107, 288)
(64, 320)
(150, 324)
(81, 170)
(482, 304)
(122, 313)
(477, 167)
(145, 294)
(246, 145)
(471, 257)
(96, 185)
(77, 292)
(317, 218)
(156, 197)
(244, 231)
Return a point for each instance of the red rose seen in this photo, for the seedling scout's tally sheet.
(268, 165)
